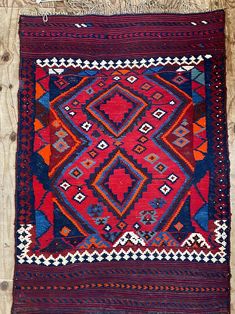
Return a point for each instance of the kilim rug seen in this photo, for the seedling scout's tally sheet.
(122, 165)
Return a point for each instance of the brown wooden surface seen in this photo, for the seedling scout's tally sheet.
(9, 62)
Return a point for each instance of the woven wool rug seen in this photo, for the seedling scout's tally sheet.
(122, 165)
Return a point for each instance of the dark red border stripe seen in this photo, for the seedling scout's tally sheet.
(123, 36)
(180, 295)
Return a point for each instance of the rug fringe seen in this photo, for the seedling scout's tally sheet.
(109, 7)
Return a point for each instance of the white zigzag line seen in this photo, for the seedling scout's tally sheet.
(156, 254)
(110, 64)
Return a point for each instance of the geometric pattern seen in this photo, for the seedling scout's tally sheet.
(93, 162)
(105, 64)
(122, 165)
(114, 176)
(116, 109)
(132, 180)
(131, 253)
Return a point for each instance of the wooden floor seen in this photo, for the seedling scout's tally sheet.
(9, 62)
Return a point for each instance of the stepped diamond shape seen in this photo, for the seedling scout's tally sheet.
(119, 182)
(117, 108)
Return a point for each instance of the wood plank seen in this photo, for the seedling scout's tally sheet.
(9, 60)
(9, 63)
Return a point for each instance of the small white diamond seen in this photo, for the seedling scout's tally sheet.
(79, 197)
(190, 258)
(159, 113)
(131, 79)
(86, 126)
(116, 78)
(145, 128)
(102, 145)
(172, 178)
(165, 189)
(65, 185)
(72, 113)
(67, 108)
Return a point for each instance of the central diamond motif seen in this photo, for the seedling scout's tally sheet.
(116, 109)
(119, 183)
